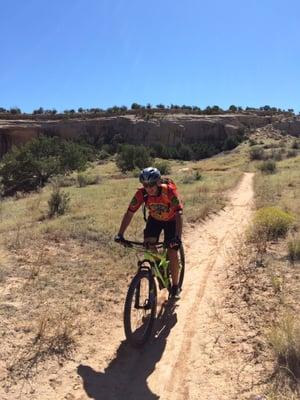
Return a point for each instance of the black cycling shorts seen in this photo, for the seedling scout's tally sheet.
(154, 227)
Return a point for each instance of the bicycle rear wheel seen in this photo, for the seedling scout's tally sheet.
(140, 308)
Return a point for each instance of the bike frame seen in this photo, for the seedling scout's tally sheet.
(158, 262)
(159, 266)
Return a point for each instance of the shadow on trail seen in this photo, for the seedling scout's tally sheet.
(126, 375)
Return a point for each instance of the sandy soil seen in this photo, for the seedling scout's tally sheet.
(195, 352)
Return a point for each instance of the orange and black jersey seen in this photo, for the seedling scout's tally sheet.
(162, 206)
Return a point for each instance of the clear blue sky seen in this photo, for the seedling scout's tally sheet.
(98, 53)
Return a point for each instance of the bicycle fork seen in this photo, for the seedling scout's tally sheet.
(147, 302)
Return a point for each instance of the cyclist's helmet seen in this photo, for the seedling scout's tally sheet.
(149, 175)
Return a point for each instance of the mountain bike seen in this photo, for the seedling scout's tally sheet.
(141, 301)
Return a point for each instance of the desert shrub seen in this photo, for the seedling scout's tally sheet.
(191, 178)
(270, 223)
(274, 145)
(58, 202)
(277, 154)
(109, 149)
(82, 180)
(252, 142)
(103, 155)
(64, 180)
(204, 150)
(54, 336)
(30, 166)
(256, 153)
(267, 167)
(291, 153)
(85, 179)
(136, 172)
(294, 249)
(231, 142)
(285, 341)
(296, 144)
(131, 157)
(163, 166)
(162, 151)
(198, 176)
(184, 152)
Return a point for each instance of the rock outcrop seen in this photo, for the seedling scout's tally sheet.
(289, 126)
(167, 129)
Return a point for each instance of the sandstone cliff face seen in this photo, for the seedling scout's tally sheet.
(289, 126)
(165, 129)
(12, 133)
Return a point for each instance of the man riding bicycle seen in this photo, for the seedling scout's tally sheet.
(165, 213)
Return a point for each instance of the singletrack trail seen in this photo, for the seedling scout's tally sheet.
(189, 369)
(182, 361)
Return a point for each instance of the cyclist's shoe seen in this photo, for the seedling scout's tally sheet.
(175, 292)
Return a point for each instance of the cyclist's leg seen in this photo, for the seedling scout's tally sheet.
(170, 233)
(152, 231)
(174, 266)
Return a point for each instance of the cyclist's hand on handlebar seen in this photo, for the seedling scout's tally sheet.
(119, 238)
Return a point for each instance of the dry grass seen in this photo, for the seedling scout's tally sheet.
(53, 336)
(283, 190)
(285, 340)
(265, 298)
(294, 248)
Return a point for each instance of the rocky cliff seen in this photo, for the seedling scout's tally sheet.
(167, 129)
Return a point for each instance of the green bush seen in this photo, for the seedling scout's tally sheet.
(284, 338)
(252, 142)
(64, 180)
(84, 179)
(30, 166)
(191, 178)
(294, 249)
(271, 223)
(131, 157)
(163, 166)
(103, 155)
(291, 153)
(58, 203)
(267, 167)
(184, 152)
(257, 153)
(204, 150)
(277, 154)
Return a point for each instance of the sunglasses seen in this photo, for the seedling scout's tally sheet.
(149, 185)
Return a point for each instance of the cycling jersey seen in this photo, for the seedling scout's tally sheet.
(162, 206)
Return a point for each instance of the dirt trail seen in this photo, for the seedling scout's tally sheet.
(184, 368)
(182, 362)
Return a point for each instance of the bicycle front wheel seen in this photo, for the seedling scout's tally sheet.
(140, 308)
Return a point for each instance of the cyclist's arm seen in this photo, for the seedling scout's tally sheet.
(176, 205)
(125, 222)
(134, 205)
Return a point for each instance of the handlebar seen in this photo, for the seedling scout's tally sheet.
(131, 243)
